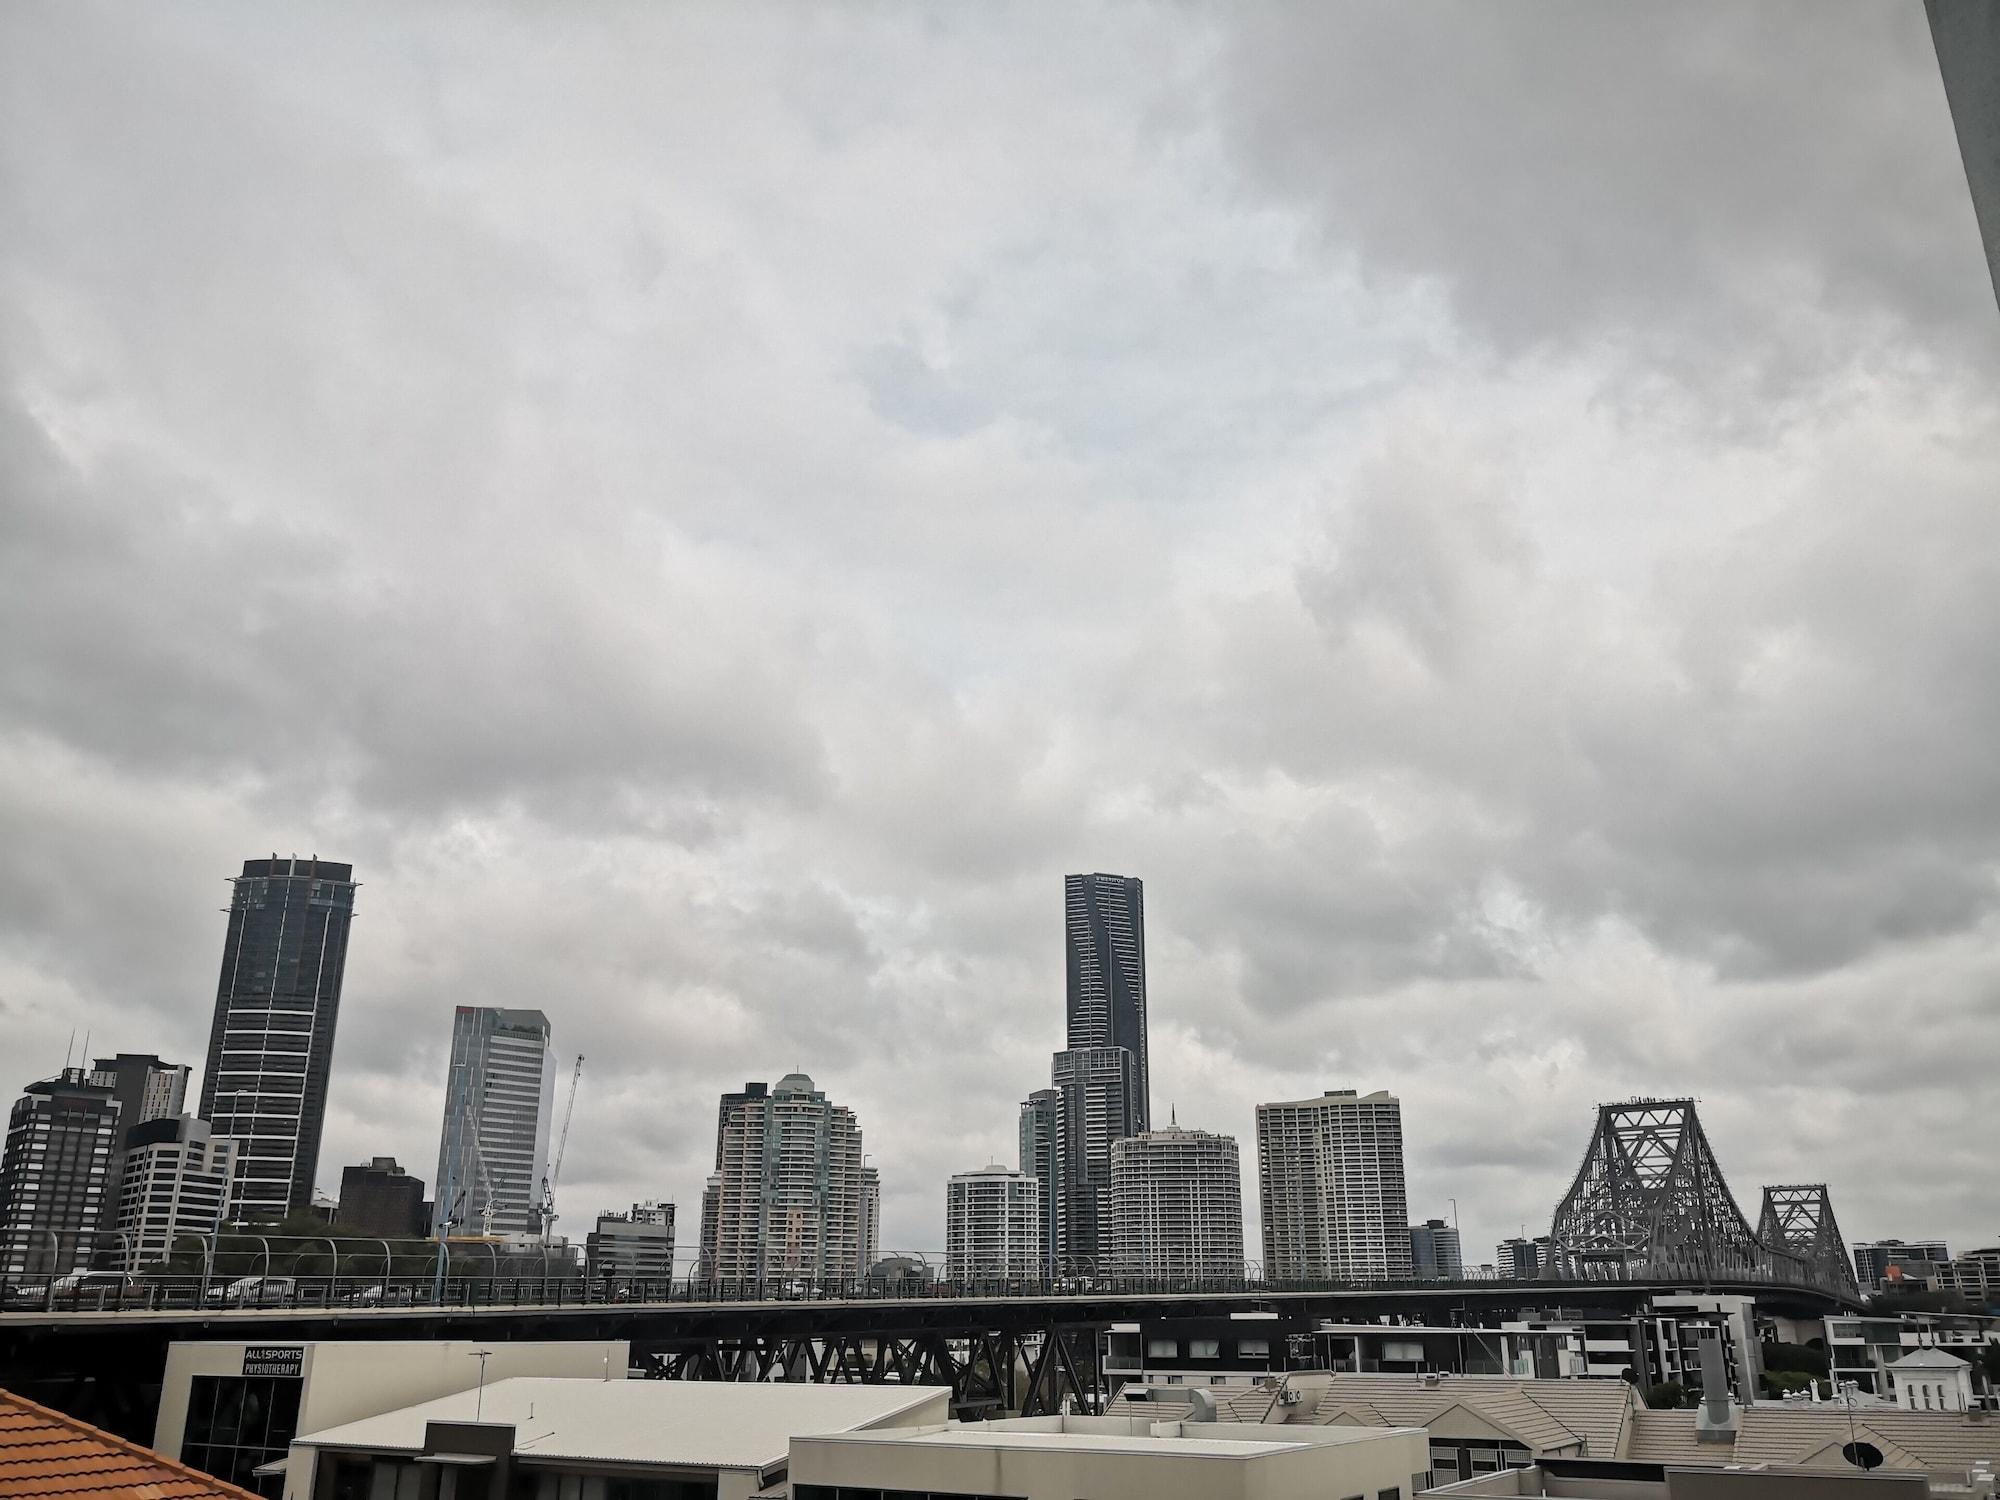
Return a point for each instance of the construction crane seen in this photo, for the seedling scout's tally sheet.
(546, 1209)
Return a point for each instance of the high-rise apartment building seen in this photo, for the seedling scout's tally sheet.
(1176, 1205)
(1098, 1088)
(871, 1216)
(992, 1226)
(1041, 1141)
(379, 1197)
(1914, 1257)
(1331, 1188)
(175, 1182)
(61, 1136)
(635, 1246)
(270, 1048)
(1434, 1252)
(1105, 925)
(786, 1200)
(1522, 1259)
(146, 1089)
(499, 1096)
(711, 1224)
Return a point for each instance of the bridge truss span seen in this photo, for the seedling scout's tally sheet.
(1797, 1222)
(1650, 1203)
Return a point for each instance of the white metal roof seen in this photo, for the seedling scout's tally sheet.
(980, 1435)
(677, 1423)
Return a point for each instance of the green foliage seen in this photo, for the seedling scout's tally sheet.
(1670, 1395)
(1799, 1359)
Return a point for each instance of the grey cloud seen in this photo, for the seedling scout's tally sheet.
(1704, 182)
(716, 525)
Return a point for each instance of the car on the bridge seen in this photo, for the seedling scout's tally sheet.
(381, 1295)
(80, 1289)
(254, 1291)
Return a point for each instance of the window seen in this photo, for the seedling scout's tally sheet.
(394, 1479)
(1394, 1492)
(234, 1425)
(1254, 1348)
(1204, 1349)
(1161, 1348)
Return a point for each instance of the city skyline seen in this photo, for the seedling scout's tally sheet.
(714, 536)
(149, 1086)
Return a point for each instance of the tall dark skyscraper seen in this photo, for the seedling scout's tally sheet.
(271, 1045)
(1105, 917)
(61, 1137)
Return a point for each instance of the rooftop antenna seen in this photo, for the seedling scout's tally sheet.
(84, 1057)
(70, 1049)
(479, 1401)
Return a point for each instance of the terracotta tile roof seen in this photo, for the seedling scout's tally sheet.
(44, 1453)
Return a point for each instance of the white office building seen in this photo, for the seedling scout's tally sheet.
(1176, 1205)
(1332, 1195)
(177, 1179)
(499, 1096)
(992, 1225)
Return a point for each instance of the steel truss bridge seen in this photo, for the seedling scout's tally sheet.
(1650, 1203)
(997, 1351)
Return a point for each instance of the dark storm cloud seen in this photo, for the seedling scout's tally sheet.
(1486, 510)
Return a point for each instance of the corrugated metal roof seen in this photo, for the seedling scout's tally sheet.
(677, 1423)
(44, 1453)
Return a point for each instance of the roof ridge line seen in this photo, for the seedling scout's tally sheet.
(124, 1445)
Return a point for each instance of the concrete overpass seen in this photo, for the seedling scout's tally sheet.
(1020, 1351)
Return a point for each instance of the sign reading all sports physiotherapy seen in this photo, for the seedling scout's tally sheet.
(275, 1359)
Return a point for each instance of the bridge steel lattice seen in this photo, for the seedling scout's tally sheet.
(1650, 1203)
(1798, 1218)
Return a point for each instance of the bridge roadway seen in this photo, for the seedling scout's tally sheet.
(1021, 1352)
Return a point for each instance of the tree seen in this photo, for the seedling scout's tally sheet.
(1669, 1395)
(1801, 1359)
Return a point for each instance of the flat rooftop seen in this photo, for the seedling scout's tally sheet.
(1131, 1436)
(672, 1423)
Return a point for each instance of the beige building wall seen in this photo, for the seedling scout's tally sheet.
(347, 1380)
(961, 1459)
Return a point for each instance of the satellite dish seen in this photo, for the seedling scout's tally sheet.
(1862, 1455)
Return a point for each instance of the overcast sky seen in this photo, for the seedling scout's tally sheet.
(1489, 510)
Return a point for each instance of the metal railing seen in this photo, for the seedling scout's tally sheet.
(345, 1293)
